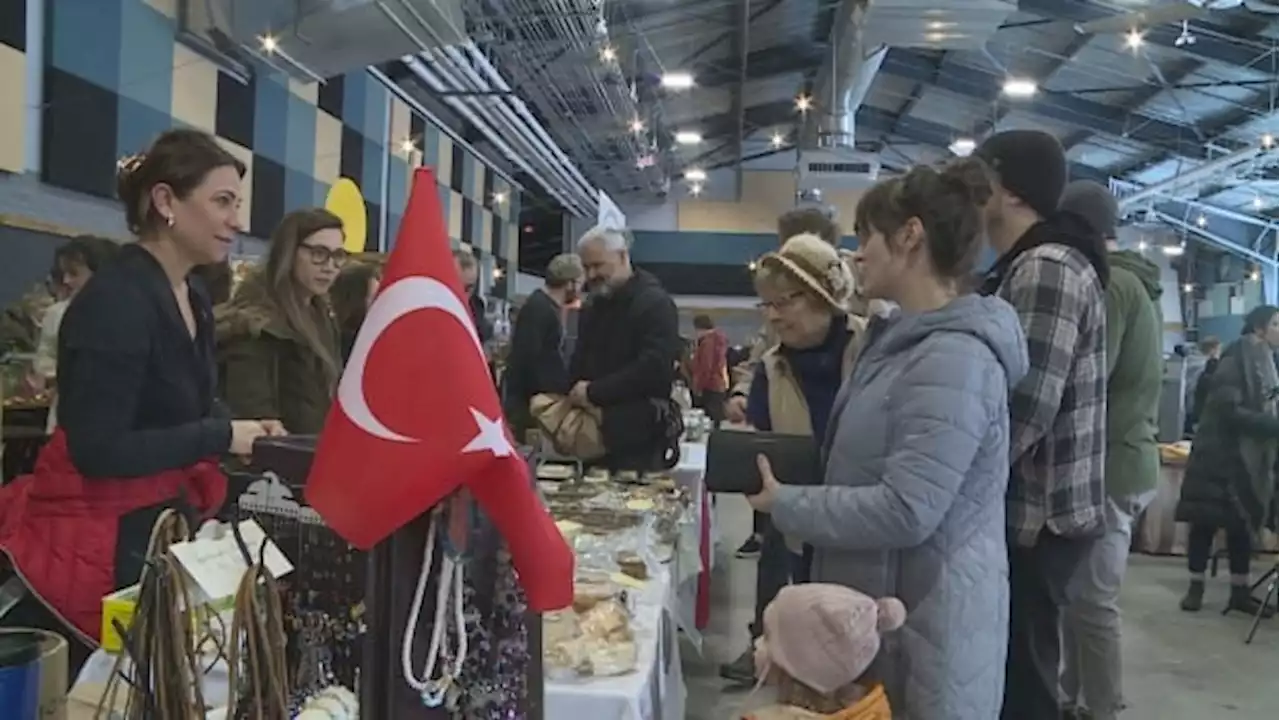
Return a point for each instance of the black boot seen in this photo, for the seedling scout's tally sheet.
(1194, 599)
(742, 671)
(1243, 601)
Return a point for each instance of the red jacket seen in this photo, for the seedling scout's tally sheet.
(710, 372)
(58, 528)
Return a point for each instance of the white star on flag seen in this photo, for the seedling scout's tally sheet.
(492, 437)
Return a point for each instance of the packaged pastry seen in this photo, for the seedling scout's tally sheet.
(632, 565)
(589, 593)
(607, 621)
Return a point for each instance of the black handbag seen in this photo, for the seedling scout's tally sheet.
(731, 460)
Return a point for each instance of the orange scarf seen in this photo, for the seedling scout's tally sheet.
(873, 706)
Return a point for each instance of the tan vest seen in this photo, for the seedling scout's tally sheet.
(788, 410)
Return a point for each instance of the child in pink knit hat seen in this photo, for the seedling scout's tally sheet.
(819, 639)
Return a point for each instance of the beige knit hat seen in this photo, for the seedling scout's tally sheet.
(823, 635)
(811, 261)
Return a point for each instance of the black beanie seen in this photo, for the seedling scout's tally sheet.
(1031, 164)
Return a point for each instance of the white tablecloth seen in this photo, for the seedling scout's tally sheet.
(654, 691)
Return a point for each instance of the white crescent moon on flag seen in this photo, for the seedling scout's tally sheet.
(397, 300)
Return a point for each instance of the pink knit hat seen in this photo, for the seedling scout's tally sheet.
(824, 635)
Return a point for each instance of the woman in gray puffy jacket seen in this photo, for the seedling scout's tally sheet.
(916, 461)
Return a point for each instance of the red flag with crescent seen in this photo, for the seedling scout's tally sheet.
(417, 416)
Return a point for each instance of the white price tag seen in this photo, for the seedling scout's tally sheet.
(216, 565)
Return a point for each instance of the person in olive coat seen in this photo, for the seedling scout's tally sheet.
(277, 340)
(1230, 479)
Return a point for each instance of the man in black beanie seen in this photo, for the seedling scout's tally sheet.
(1052, 269)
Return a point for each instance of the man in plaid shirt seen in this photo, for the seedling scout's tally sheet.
(1053, 271)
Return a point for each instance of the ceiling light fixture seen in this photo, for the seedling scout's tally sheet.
(407, 146)
(677, 81)
(1257, 202)
(1134, 39)
(777, 140)
(1142, 246)
(688, 137)
(499, 198)
(695, 175)
(1188, 288)
(497, 273)
(695, 189)
(1172, 250)
(963, 147)
(637, 126)
(1020, 87)
(608, 54)
(1268, 140)
(269, 44)
(1202, 221)
(1254, 275)
(804, 103)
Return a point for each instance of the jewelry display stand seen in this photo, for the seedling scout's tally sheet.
(391, 572)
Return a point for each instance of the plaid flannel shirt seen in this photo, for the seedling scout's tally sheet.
(1057, 433)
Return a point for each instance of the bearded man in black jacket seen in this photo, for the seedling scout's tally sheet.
(624, 360)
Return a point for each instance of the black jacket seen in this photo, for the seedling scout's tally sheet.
(135, 391)
(627, 347)
(534, 361)
(628, 343)
(1217, 475)
(479, 315)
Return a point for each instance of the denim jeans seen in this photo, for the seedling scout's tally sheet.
(1091, 672)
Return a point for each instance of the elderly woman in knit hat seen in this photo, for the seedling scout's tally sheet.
(804, 291)
(819, 642)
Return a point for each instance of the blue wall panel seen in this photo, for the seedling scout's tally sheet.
(271, 118)
(87, 39)
(137, 124)
(146, 47)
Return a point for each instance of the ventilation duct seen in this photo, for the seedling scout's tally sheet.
(315, 39)
(859, 41)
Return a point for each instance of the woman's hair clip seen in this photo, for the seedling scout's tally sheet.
(130, 163)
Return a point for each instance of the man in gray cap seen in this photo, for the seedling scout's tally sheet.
(1091, 677)
(536, 362)
(1053, 271)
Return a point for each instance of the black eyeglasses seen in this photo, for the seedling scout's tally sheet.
(320, 254)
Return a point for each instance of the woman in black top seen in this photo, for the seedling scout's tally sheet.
(140, 430)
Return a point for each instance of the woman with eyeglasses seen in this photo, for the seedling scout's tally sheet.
(277, 340)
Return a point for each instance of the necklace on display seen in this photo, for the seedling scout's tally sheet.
(449, 598)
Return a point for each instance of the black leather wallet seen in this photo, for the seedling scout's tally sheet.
(731, 460)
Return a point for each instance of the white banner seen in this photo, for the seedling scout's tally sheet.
(610, 215)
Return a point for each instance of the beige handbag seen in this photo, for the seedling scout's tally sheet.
(572, 431)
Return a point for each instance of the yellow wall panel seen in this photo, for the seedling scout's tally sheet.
(765, 196)
(169, 8)
(477, 183)
(195, 89)
(328, 162)
(402, 144)
(245, 156)
(309, 91)
(444, 159)
(13, 78)
(456, 208)
(512, 240)
(486, 232)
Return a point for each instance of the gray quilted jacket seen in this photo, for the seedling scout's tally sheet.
(912, 503)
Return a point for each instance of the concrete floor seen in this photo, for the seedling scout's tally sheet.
(1177, 665)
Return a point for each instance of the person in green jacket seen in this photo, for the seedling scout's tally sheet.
(1135, 369)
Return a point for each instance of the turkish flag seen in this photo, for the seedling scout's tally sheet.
(417, 416)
